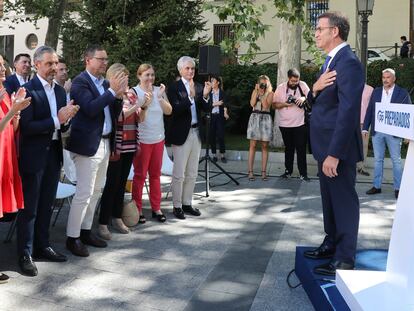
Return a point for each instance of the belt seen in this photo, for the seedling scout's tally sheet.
(195, 125)
(106, 136)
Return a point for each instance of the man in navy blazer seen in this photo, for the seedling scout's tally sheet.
(388, 93)
(23, 67)
(187, 99)
(40, 160)
(336, 142)
(91, 137)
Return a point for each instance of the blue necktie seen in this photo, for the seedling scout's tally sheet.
(325, 64)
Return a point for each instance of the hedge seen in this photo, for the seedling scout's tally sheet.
(239, 81)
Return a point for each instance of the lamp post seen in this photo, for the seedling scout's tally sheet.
(364, 10)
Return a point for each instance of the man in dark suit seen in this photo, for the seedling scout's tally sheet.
(23, 67)
(91, 137)
(388, 93)
(336, 142)
(41, 160)
(187, 99)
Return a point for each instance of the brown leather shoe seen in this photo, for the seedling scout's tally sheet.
(88, 238)
(76, 247)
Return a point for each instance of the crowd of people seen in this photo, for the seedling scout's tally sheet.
(106, 127)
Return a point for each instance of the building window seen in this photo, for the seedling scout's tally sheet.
(221, 32)
(31, 41)
(314, 9)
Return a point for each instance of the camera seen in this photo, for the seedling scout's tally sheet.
(263, 86)
(291, 99)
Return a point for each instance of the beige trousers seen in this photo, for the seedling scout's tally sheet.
(91, 175)
(185, 169)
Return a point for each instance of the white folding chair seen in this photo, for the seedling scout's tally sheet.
(69, 168)
(64, 193)
(167, 168)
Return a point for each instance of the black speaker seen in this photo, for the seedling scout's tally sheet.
(209, 60)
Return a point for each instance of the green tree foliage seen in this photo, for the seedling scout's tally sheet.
(33, 10)
(136, 31)
(246, 15)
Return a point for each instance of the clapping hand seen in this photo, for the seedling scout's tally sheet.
(192, 88)
(161, 91)
(19, 102)
(119, 83)
(67, 112)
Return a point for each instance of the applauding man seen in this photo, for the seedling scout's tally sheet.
(41, 159)
(187, 99)
(93, 130)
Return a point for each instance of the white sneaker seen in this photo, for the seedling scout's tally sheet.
(104, 232)
(119, 225)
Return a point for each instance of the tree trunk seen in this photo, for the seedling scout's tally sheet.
(55, 21)
(289, 57)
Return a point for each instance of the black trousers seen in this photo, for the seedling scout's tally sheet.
(217, 132)
(112, 200)
(340, 206)
(295, 138)
(39, 192)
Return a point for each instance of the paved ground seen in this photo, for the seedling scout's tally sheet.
(235, 257)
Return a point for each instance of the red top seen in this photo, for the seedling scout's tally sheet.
(11, 194)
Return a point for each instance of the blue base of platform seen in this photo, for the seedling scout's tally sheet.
(322, 290)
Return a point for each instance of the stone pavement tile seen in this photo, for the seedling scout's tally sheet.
(16, 301)
(206, 300)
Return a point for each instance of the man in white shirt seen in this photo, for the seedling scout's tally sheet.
(388, 93)
(23, 68)
(187, 99)
(40, 160)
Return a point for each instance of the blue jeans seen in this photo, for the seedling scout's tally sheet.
(379, 140)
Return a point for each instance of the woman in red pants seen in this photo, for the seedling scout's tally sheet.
(148, 160)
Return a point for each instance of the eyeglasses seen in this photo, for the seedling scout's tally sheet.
(101, 59)
(319, 29)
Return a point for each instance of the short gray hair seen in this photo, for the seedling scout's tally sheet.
(389, 70)
(183, 60)
(38, 55)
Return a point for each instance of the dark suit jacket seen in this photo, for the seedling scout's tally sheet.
(335, 126)
(37, 127)
(87, 125)
(180, 122)
(222, 96)
(399, 96)
(11, 84)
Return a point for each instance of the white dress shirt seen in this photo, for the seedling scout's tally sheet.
(334, 51)
(51, 98)
(387, 95)
(194, 119)
(21, 79)
(107, 127)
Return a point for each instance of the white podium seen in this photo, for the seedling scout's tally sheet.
(393, 289)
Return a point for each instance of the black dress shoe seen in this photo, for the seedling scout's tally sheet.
(3, 278)
(322, 252)
(188, 209)
(76, 247)
(178, 212)
(373, 190)
(49, 254)
(27, 265)
(396, 192)
(160, 217)
(331, 267)
(223, 160)
(88, 238)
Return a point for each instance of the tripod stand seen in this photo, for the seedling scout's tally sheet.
(207, 160)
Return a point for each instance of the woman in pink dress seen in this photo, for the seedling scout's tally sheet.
(11, 194)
